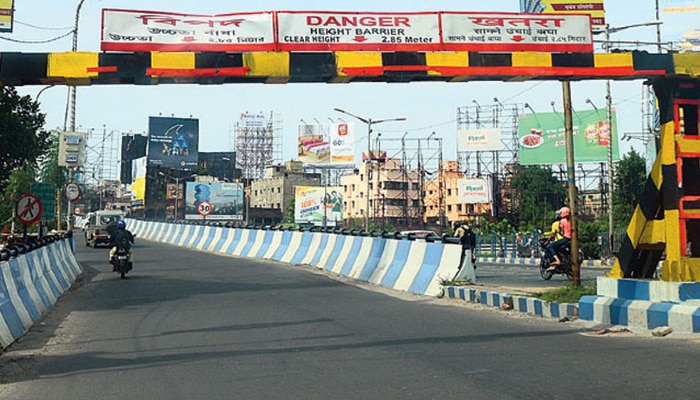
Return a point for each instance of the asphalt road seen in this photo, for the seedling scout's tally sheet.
(191, 325)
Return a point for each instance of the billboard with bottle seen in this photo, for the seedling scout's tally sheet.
(542, 137)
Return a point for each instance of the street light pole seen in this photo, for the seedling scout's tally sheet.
(368, 162)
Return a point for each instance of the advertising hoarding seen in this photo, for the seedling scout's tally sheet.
(314, 204)
(473, 191)
(133, 147)
(173, 142)
(138, 182)
(326, 144)
(219, 164)
(226, 200)
(6, 8)
(542, 137)
(482, 139)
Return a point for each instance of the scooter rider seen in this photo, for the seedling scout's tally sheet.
(120, 237)
(565, 226)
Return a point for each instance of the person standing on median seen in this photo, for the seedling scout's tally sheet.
(467, 239)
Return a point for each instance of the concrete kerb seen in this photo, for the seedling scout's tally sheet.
(519, 303)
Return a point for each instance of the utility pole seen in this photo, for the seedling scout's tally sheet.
(571, 180)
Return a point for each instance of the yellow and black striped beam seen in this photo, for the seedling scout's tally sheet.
(151, 68)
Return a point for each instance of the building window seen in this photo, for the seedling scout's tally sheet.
(278, 206)
(459, 207)
(449, 192)
(279, 190)
(449, 208)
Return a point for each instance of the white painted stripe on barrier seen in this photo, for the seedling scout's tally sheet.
(205, 232)
(274, 244)
(362, 256)
(294, 246)
(231, 237)
(245, 234)
(314, 247)
(446, 269)
(384, 262)
(186, 233)
(192, 236)
(16, 301)
(148, 235)
(601, 309)
(70, 264)
(25, 276)
(218, 232)
(42, 274)
(259, 240)
(165, 232)
(39, 280)
(337, 264)
(327, 251)
(408, 273)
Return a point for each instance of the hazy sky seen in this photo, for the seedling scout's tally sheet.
(428, 107)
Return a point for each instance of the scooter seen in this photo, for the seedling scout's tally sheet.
(564, 254)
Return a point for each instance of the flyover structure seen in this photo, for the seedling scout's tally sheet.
(667, 220)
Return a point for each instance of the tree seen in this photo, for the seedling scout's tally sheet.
(629, 180)
(539, 194)
(21, 132)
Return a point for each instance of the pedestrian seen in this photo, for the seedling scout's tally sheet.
(467, 239)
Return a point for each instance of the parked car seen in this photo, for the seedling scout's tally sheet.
(99, 226)
(419, 234)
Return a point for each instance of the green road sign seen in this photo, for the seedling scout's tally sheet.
(46, 192)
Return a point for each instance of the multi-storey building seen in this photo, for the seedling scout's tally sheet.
(442, 204)
(276, 190)
(394, 200)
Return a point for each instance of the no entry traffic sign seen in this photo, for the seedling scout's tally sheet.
(72, 191)
(28, 209)
(204, 208)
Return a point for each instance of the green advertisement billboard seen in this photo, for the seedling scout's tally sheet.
(542, 138)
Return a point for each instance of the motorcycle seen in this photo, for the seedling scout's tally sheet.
(564, 254)
(121, 262)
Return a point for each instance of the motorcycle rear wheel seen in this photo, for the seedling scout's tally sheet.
(544, 264)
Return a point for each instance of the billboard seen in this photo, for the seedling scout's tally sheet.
(250, 120)
(473, 191)
(326, 144)
(173, 142)
(133, 147)
(226, 200)
(594, 8)
(316, 204)
(6, 8)
(138, 182)
(484, 139)
(219, 164)
(542, 137)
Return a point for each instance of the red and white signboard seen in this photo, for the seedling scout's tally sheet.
(130, 30)
(516, 32)
(204, 208)
(319, 31)
(28, 209)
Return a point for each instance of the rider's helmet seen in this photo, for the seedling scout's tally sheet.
(456, 224)
(564, 212)
(121, 224)
(557, 215)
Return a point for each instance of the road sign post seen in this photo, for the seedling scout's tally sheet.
(204, 208)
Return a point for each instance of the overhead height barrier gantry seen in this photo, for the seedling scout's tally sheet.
(667, 220)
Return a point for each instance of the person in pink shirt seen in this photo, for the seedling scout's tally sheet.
(565, 227)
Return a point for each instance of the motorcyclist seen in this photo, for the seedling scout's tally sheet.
(565, 230)
(120, 237)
